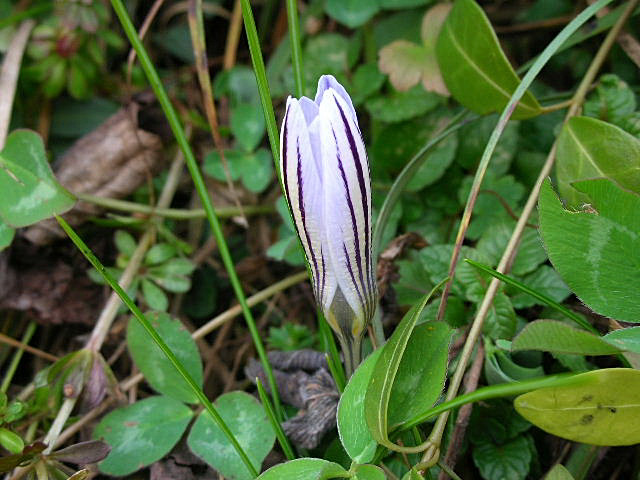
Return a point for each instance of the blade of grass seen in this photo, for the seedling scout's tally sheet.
(198, 181)
(543, 298)
(205, 402)
(296, 49)
(263, 84)
(277, 428)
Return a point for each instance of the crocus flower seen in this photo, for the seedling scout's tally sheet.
(325, 174)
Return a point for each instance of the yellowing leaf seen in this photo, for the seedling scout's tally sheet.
(407, 63)
(602, 409)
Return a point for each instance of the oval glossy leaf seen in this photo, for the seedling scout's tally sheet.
(510, 460)
(379, 390)
(6, 235)
(369, 472)
(590, 148)
(249, 424)
(558, 337)
(601, 410)
(474, 67)
(352, 425)
(305, 469)
(627, 339)
(421, 373)
(141, 433)
(592, 250)
(30, 192)
(155, 366)
(247, 125)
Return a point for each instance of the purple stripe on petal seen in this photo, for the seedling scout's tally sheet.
(352, 212)
(353, 279)
(303, 215)
(363, 189)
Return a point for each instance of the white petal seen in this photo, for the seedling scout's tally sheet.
(347, 203)
(327, 82)
(303, 190)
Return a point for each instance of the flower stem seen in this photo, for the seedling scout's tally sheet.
(352, 351)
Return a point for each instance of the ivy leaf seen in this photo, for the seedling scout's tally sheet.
(402, 105)
(612, 101)
(501, 319)
(509, 461)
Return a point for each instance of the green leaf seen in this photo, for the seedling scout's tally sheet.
(11, 441)
(602, 409)
(248, 422)
(596, 253)
(495, 421)
(380, 389)
(499, 367)
(369, 472)
(153, 364)
(125, 243)
(613, 101)
(494, 240)
(559, 472)
(490, 209)
(546, 281)
(401, 106)
(172, 283)
(6, 235)
(141, 433)
(366, 81)
(475, 69)
(554, 336)
(473, 140)
(501, 319)
(352, 13)
(247, 125)
(256, 170)
(402, 4)
(159, 253)
(589, 148)
(627, 339)
(177, 41)
(421, 374)
(154, 296)
(413, 282)
(509, 461)
(212, 164)
(438, 160)
(239, 83)
(352, 425)
(305, 469)
(30, 192)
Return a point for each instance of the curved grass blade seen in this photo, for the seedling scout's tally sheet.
(543, 298)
